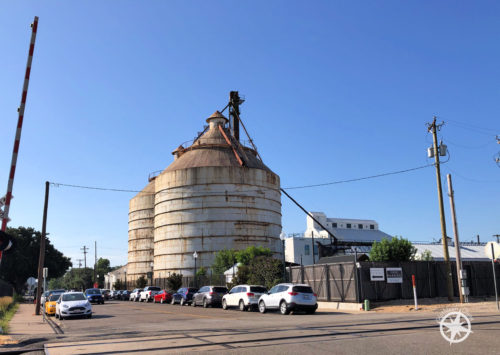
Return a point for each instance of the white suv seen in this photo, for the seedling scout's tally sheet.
(243, 296)
(149, 293)
(289, 297)
(135, 295)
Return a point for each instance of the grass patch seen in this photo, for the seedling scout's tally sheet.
(7, 310)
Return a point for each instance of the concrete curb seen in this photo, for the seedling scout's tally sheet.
(339, 306)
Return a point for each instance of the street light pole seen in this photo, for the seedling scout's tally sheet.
(195, 256)
(283, 237)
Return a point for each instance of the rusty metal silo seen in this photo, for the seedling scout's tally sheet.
(140, 233)
(217, 194)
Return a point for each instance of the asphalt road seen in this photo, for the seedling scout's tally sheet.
(129, 327)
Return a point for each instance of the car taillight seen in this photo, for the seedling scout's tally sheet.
(293, 293)
(250, 294)
(211, 293)
(315, 295)
(150, 293)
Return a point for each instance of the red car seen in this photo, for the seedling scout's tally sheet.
(162, 297)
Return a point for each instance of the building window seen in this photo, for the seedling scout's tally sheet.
(372, 226)
(306, 249)
(334, 225)
(360, 226)
(348, 225)
(315, 249)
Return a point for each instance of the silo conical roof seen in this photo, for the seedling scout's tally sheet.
(212, 149)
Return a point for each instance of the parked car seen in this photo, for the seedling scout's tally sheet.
(135, 294)
(45, 295)
(183, 296)
(163, 296)
(94, 295)
(105, 293)
(289, 297)
(243, 296)
(50, 304)
(209, 296)
(113, 294)
(124, 295)
(149, 293)
(73, 304)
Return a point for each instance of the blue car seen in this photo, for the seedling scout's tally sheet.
(94, 295)
(183, 296)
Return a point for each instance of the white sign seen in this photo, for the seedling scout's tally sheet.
(496, 250)
(377, 274)
(394, 275)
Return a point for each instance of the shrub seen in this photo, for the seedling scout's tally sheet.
(396, 249)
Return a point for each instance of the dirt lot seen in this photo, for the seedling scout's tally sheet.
(481, 304)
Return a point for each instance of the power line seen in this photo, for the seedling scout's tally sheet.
(359, 179)
(57, 184)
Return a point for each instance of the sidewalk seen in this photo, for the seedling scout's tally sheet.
(25, 322)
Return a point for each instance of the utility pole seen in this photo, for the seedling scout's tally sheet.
(41, 258)
(95, 261)
(455, 235)
(498, 237)
(17, 141)
(85, 255)
(433, 127)
(79, 263)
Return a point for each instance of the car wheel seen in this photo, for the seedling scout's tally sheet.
(224, 304)
(283, 308)
(262, 307)
(205, 304)
(89, 316)
(242, 306)
(311, 311)
(182, 301)
(161, 300)
(173, 301)
(55, 315)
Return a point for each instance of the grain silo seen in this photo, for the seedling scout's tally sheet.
(140, 234)
(217, 194)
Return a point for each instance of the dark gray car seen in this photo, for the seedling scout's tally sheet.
(209, 296)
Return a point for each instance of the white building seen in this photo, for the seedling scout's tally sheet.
(344, 229)
(119, 274)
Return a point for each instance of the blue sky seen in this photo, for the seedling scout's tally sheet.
(334, 90)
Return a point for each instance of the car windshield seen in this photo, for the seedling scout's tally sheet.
(93, 292)
(54, 298)
(154, 289)
(258, 289)
(220, 289)
(302, 289)
(73, 297)
(192, 290)
(46, 293)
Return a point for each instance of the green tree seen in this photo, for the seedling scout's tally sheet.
(174, 282)
(246, 256)
(224, 259)
(102, 268)
(397, 249)
(426, 256)
(119, 285)
(78, 279)
(141, 282)
(57, 283)
(201, 272)
(265, 270)
(22, 262)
